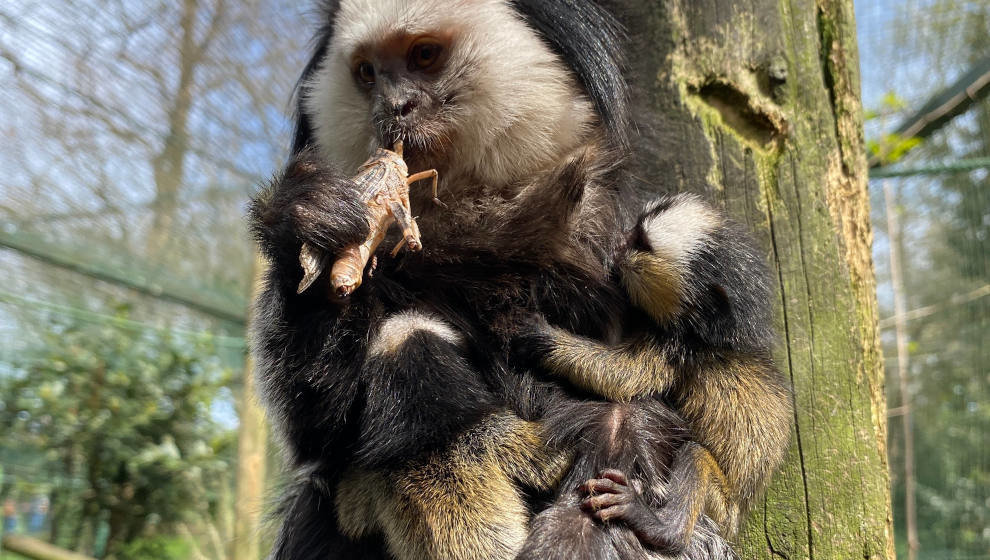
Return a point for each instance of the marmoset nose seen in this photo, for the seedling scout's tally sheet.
(404, 108)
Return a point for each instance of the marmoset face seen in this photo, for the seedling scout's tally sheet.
(468, 86)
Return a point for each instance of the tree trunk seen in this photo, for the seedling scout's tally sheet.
(169, 164)
(757, 107)
(38, 550)
(251, 453)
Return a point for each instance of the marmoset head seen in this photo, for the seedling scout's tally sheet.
(485, 90)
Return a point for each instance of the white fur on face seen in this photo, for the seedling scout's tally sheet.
(516, 107)
(680, 231)
(399, 327)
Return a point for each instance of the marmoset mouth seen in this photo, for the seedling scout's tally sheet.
(426, 145)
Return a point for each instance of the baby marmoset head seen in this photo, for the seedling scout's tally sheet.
(485, 91)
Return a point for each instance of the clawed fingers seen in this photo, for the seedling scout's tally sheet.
(614, 475)
(600, 485)
(612, 513)
(603, 501)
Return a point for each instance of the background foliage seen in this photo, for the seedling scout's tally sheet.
(131, 135)
(123, 422)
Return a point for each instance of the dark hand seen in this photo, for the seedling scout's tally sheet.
(309, 202)
(611, 498)
(532, 339)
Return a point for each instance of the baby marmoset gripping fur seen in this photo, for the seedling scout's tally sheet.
(699, 337)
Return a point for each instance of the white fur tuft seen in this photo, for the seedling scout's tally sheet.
(682, 229)
(399, 327)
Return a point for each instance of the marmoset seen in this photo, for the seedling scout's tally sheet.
(412, 434)
(698, 336)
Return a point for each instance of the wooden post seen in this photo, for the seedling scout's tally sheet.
(756, 105)
(252, 441)
(900, 334)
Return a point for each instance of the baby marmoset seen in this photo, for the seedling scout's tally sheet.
(699, 337)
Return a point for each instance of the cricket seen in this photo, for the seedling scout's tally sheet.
(384, 182)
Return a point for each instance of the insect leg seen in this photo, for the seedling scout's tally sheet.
(410, 232)
(430, 173)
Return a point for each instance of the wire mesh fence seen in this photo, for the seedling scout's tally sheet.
(133, 133)
(931, 226)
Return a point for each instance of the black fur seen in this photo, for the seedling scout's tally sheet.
(302, 136)
(310, 529)
(310, 201)
(417, 400)
(727, 304)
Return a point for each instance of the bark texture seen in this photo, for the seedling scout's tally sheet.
(756, 104)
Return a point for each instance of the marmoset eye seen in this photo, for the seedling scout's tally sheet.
(424, 54)
(366, 73)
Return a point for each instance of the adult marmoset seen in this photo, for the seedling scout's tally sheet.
(411, 434)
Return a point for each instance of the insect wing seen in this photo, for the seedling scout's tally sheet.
(313, 262)
(371, 179)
